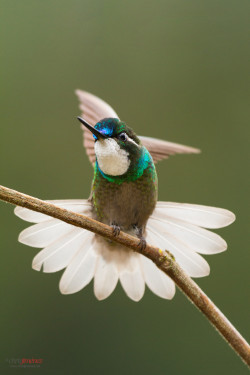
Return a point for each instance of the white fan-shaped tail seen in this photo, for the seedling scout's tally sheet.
(81, 268)
(199, 239)
(106, 274)
(173, 226)
(131, 275)
(76, 205)
(203, 216)
(45, 233)
(58, 255)
(157, 281)
(189, 260)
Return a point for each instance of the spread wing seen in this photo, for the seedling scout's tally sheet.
(95, 109)
(160, 149)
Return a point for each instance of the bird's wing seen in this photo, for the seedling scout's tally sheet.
(95, 109)
(160, 149)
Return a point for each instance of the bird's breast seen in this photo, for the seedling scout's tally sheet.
(126, 204)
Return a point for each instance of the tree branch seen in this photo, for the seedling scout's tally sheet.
(162, 259)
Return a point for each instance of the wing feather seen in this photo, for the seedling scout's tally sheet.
(160, 149)
(95, 109)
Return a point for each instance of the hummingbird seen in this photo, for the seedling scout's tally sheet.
(123, 196)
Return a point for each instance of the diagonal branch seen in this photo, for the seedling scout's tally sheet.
(162, 259)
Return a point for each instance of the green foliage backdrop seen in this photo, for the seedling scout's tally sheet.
(177, 70)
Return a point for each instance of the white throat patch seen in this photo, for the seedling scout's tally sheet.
(112, 160)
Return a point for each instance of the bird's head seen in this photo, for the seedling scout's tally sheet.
(117, 147)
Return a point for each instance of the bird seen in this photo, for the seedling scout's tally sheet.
(123, 196)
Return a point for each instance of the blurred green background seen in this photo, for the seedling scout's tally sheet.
(177, 70)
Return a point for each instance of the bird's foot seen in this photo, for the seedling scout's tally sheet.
(116, 229)
(142, 244)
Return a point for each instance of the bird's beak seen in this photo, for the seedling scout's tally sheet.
(98, 134)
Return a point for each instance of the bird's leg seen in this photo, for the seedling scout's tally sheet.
(139, 233)
(116, 229)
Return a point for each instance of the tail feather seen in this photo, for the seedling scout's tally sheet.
(157, 281)
(45, 233)
(57, 256)
(176, 227)
(75, 205)
(106, 274)
(203, 216)
(199, 239)
(81, 268)
(131, 276)
(189, 260)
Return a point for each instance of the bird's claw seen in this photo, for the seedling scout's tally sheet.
(116, 229)
(142, 244)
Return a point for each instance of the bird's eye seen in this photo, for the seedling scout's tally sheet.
(122, 137)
